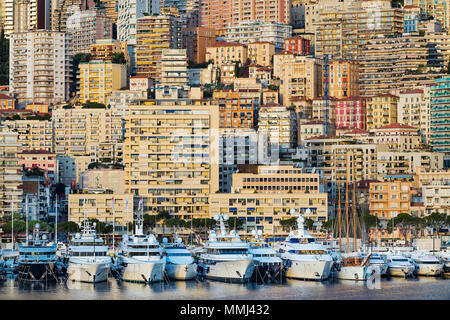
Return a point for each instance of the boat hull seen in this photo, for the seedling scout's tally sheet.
(239, 271)
(309, 270)
(43, 272)
(401, 271)
(181, 271)
(88, 272)
(430, 269)
(357, 273)
(144, 271)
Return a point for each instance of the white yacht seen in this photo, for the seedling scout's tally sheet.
(303, 256)
(88, 256)
(267, 262)
(226, 257)
(428, 265)
(377, 261)
(399, 266)
(141, 256)
(180, 264)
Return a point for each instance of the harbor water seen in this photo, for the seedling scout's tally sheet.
(420, 288)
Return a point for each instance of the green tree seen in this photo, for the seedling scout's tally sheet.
(68, 227)
(288, 224)
(403, 222)
(19, 226)
(4, 59)
(232, 222)
(309, 224)
(118, 57)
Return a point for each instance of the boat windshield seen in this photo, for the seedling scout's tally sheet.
(227, 251)
(179, 254)
(88, 254)
(143, 253)
(400, 260)
(79, 244)
(304, 240)
(307, 251)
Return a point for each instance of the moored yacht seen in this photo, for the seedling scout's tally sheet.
(226, 257)
(354, 267)
(88, 257)
(428, 265)
(267, 263)
(37, 258)
(180, 264)
(303, 256)
(141, 256)
(378, 262)
(399, 266)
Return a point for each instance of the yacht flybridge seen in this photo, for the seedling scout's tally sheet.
(226, 257)
(88, 256)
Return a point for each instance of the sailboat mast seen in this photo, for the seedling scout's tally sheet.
(339, 217)
(12, 222)
(354, 217)
(26, 218)
(56, 219)
(346, 202)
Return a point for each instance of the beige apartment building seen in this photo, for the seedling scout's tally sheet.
(224, 52)
(389, 199)
(10, 172)
(381, 110)
(98, 79)
(300, 77)
(33, 134)
(261, 53)
(265, 210)
(274, 179)
(98, 205)
(78, 130)
(398, 137)
(343, 79)
(171, 157)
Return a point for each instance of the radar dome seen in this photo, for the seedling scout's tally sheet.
(37, 225)
(179, 240)
(216, 217)
(44, 237)
(226, 217)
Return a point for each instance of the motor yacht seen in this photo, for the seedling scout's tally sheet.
(428, 265)
(226, 257)
(266, 260)
(400, 266)
(180, 264)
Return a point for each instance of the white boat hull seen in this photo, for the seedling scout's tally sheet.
(401, 271)
(145, 271)
(181, 271)
(310, 270)
(357, 273)
(430, 269)
(231, 271)
(88, 272)
(382, 268)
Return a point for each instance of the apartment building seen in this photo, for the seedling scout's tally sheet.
(195, 40)
(34, 134)
(436, 198)
(343, 79)
(97, 79)
(42, 159)
(61, 10)
(440, 116)
(223, 52)
(343, 32)
(298, 45)
(153, 34)
(264, 210)
(280, 125)
(99, 205)
(300, 77)
(174, 72)
(103, 49)
(103, 179)
(7, 17)
(234, 111)
(261, 53)
(257, 31)
(399, 137)
(221, 14)
(86, 26)
(351, 113)
(413, 109)
(7, 102)
(381, 110)
(10, 172)
(401, 62)
(78, 130)
(171, 157)
(389, 199)
(46, 80)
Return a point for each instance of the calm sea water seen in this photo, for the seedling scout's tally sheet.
(421, 288)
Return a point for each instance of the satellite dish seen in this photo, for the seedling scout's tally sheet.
(292, 211)
(260, 232)
(216, 217)
(225, 217)
(253, 232)
(44, 237)
(165, 240)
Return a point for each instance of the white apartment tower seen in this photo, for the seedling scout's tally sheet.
(39, 68)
